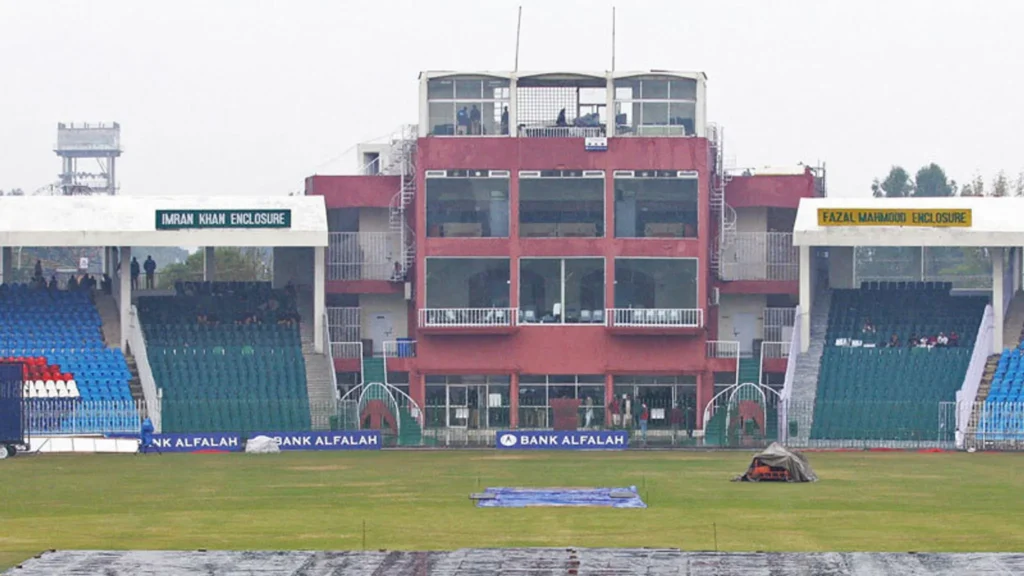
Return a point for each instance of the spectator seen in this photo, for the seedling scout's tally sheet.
(614, 409)
(588, 415)
(150, 267)
(107, 284)
(676, 419)
(72, 283)
(135, 273)
(475, 126)
(942, 340)
(954, 339)
(644, 415)
(504, 121)
(912, 341)
(462, 121)
(53, 283)
(38, 271)
(869, 328)
(894, 341)
(627, 411)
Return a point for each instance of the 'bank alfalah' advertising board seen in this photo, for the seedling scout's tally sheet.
(571, 440)
(339, 440)
(198, 442)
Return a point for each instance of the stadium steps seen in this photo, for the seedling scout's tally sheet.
(983, 389)
(373, 371)
(750, 371)
(135, 383)
(1013, 326)
(808, 368)
(319, 386)
(111, 319)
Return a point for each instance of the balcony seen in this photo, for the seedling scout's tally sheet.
(774, 356)
(778, 324)
(759, 256)
(655, 321)
(467, 320)
(723, 355)
(344, 325)
(398, 355)
(371, 259)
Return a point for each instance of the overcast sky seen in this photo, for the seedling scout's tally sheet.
(249, 97)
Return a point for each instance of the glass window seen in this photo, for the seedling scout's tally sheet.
(561, 206)
(656, 207)
(464, 207)
(536, 391)
(468, 401)
(467, 283)
(656, 283)
(655, 106)
(468, 106)
(662, 394)
(561, 291)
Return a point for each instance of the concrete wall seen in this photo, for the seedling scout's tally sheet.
(840, 267)
(293, 264)
(393, 307)
(752, 219)
(733, 305)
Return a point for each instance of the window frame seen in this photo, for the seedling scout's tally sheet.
(562, 261)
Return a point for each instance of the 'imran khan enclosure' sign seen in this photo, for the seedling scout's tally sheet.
(937, 217)
(188, 219)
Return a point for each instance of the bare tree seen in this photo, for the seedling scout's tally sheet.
(1000, 186)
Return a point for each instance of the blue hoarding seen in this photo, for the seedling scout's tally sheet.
(339, 440)
(574, 440)
(12, 408)
(197, 442)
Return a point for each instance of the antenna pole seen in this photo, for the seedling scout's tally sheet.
(519, 27)
(613, 38)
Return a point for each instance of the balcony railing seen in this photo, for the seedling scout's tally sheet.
(759, 256)
(723, 349)
(400, 349)
(346, 350)
(656, 317)
(363, 255)
(467, 317)
(344, 324)
(775, 349)
(776, 320)
(561, 131)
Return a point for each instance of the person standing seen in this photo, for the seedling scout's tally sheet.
(588, 416)
(150, 267)
(644, 415)
(135, 273)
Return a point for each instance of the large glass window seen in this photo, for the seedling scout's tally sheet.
(467, 282)
(467, 203)
(473, 402)
(468, 106)
(655, 204)
(561, 203)
(655, 106)
(561, 291)
(671, 401)
(537, 391)
(656, 283)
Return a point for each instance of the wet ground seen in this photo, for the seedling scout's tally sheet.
(513, 562)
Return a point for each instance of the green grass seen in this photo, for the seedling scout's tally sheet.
(419, 500)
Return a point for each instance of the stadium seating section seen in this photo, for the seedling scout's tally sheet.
(869, 391)
(228, 357)
(1003, 417)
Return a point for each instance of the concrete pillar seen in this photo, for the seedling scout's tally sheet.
(805, 298)
(513, 401)
(125, 284)
(209, 264)
(319, 263)
(998, 274)
(6, 264)
(1017, 269)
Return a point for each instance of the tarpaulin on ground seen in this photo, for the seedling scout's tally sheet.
(777, 456)
(579, 497)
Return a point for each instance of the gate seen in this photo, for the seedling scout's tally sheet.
(377, 406)
(743, 415)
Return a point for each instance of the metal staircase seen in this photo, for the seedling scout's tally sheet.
(719, 209)
(402, 161)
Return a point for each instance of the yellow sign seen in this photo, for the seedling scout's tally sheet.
(937, 217)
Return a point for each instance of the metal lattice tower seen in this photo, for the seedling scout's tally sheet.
(88, 142)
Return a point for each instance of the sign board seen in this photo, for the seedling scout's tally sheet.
(197, 219)
(83, 263)
(340, 440)
(919, 217)
(197, 442)
(574, 440)
(596, 144)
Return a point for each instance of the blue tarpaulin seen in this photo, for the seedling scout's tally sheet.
(530, 497)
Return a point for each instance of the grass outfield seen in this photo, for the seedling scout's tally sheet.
(419, 500)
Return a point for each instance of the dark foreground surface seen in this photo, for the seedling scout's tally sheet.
(520, 562)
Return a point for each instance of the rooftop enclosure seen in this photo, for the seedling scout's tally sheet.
(562, 104)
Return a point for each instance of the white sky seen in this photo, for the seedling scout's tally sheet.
(251, 96)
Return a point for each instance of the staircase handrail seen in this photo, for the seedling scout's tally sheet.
(137, 347)
(329, 351)
(968, 393)
(787, 386)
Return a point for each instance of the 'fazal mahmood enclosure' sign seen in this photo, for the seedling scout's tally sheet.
(937, 217)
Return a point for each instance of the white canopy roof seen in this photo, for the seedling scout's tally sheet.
(993, 222)
(132, 221)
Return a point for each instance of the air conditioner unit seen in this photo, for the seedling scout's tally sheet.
(715, 297)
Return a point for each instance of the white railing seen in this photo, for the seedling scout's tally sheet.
(60, 416)
(775, 321)
(330, 356)
(363, 255)
(467, 317)
(561, 131)
(346, 350)
(759, 256)
(723, 349)
(656, 317)
(344, 324)
(1000, 425)
(137, 346)
(968, 393)
(400, 349)
(787, 385)
(775, 349)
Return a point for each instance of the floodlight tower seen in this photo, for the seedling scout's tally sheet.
(99, 142)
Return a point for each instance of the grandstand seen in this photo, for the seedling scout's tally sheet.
(228, 357)
(75, 382)
(876, 381)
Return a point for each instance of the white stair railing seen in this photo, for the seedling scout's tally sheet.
(330, 358)
(968, 393)
(137, 346)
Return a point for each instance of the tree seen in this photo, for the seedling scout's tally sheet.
(1018, 185)
(233, 265)
(930, 182)
(1001, 185)
(896, 185)
(976, 187)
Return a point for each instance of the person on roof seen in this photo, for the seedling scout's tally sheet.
(38, 271)
(135, 273)
(150, 267)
